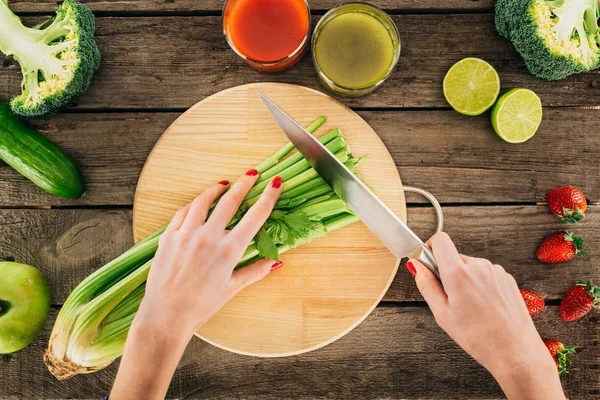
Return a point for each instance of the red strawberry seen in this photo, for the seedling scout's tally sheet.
(560, 353)
(568, 203)
(560, 247)
(533, 301)
(579, 300)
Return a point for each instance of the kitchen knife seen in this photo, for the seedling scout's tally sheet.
(388, 228)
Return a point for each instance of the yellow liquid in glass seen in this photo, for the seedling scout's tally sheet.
(354, 50)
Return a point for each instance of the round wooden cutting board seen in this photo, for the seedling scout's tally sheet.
(325, 288)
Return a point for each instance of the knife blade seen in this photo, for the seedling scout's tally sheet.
(380, 220)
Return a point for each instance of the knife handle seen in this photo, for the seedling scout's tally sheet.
(425, 256)
(423, 253)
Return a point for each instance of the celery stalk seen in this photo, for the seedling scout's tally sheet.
(290, 181)
(92, 326)
(282, 152)
(328, 210)
(297, 157)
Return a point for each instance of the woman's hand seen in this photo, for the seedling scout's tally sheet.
(191, 278)
(192, 275)
(481, 309)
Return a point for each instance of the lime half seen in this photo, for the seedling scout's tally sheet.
(471, 86)
(517, 115)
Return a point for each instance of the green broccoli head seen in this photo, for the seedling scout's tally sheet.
(556, 38)
(58, 58)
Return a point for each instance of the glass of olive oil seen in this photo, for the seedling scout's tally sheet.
(355, 47)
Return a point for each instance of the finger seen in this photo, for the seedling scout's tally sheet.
(475, 260)
(178, 219)
(252, 273)
(430, 288)
(231, 201)
(445, 254)
(511, 284)
(513, 294)
(466, 259)
(257, 215)
(498, 269)
(200, 207)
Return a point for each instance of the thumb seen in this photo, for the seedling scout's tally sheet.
(253, 273)
(430, 288)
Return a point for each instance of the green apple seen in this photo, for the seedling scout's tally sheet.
(24, 305)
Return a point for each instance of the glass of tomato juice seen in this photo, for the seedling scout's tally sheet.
(269, 35)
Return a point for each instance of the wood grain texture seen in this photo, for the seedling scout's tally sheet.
(68, 245)
(461, 159)
(305, 306)
(110, 149)
(397, 353)
(168, 63)
(173, 62)
(151, 6)
(429, 148)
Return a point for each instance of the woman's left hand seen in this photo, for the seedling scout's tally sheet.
(192, 275)
(191, 278)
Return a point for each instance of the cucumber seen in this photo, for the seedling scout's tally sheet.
(37, 158)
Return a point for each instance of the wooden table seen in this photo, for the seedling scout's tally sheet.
(162, 56)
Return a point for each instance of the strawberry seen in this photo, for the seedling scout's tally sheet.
(533, 301)
(568, 203)
(579, 300)
(560, 353)
(560, 247)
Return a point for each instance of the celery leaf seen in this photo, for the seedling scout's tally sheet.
(265, 245)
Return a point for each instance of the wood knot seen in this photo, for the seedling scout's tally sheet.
(594, 84)
(83, 237)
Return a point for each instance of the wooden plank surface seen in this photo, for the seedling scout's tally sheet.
(68, 245)
(397, 353)
(112, 149)
(173, 62)
(162, 56)
(154, 6)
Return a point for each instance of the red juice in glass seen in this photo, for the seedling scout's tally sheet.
(270, 35)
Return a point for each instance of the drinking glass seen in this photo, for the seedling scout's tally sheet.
(262, 65)
(383, 18)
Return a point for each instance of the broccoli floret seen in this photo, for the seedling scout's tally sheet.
(58, 57)
(556, 38)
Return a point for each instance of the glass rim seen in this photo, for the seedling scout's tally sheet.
(325, 19)
(296, 51)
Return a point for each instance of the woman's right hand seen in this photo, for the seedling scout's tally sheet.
(481, 309)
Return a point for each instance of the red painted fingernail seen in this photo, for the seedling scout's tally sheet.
(411, 268)
(224, 183)
(277, 265)
(252, 172)
(277, 181)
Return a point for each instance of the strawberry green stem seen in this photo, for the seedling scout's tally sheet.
(577, 242)
(593, 291)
